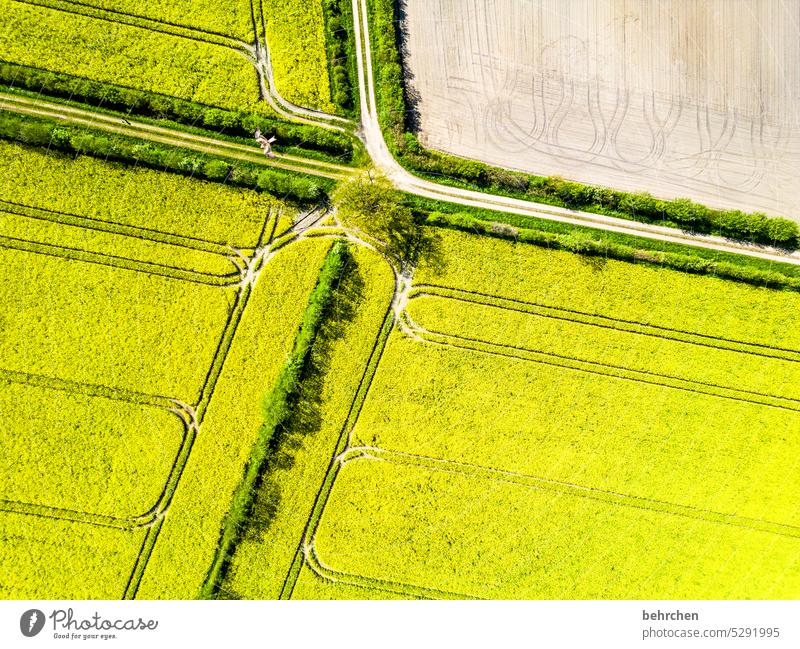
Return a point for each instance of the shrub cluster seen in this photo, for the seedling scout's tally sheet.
(680, 213)
(388, 72)
(338, 18)
(582, 244)
(277, 408)
(99, 144)
(149, 104)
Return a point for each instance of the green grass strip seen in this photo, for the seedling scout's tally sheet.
(276, 408)
(79, 140)
(583, 243)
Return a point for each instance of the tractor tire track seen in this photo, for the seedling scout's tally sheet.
(568, 488)
(607, 322)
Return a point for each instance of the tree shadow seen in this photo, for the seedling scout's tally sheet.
(306, 408)
(411, 95)
(596, 262)
(427, 250)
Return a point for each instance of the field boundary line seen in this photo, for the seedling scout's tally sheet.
(71, 515)
(255, 265)
(596, 368)
(141, 22)
(115, 227)
(123, 263)
(543, 310)
(325, 572)
(230, 254)
(88, 389)
(142, 558)
(323, 493)
(173, 406)
(401, 458)
(223, 347)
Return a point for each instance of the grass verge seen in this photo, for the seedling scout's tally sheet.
(276, 408)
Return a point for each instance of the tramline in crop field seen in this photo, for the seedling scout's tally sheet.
(132, 335)
(634, 440)
(207, 55)
(145, 57)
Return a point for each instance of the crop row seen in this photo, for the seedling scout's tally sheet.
(134, 151)
(647, 294)
(741, 269)
(82, 323)
(135, 20)
(128, 56)
(174, 463)
(231, 18)
(566, 488)
(44, 218)
(681, 213)
(603, 349)
(767, 351)
(46, 557)
(92, 434)
(567, 361)
(198, 415)
(376, 355)
(583, 427)
(77, 243)
(180, 210)
(311, 586)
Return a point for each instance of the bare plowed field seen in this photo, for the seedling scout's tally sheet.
(676, 97)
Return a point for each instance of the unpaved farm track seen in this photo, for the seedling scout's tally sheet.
(370, 133)
(170, 136)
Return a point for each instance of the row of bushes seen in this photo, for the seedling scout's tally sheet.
(129, 150)
(277, 409)
(339, 43)
(388, 71)
(585, 245)
(395, 117)
(149, 104)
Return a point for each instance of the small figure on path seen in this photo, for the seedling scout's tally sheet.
(264, 143)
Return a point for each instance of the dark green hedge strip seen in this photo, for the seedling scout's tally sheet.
(139, 102)
(585, 245)
(341, 56)
(39, 132)
(640, 206)
(277, 409)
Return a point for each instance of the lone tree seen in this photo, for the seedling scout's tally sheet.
(373, 206)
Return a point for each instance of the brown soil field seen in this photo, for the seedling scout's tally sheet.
(674, 97)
